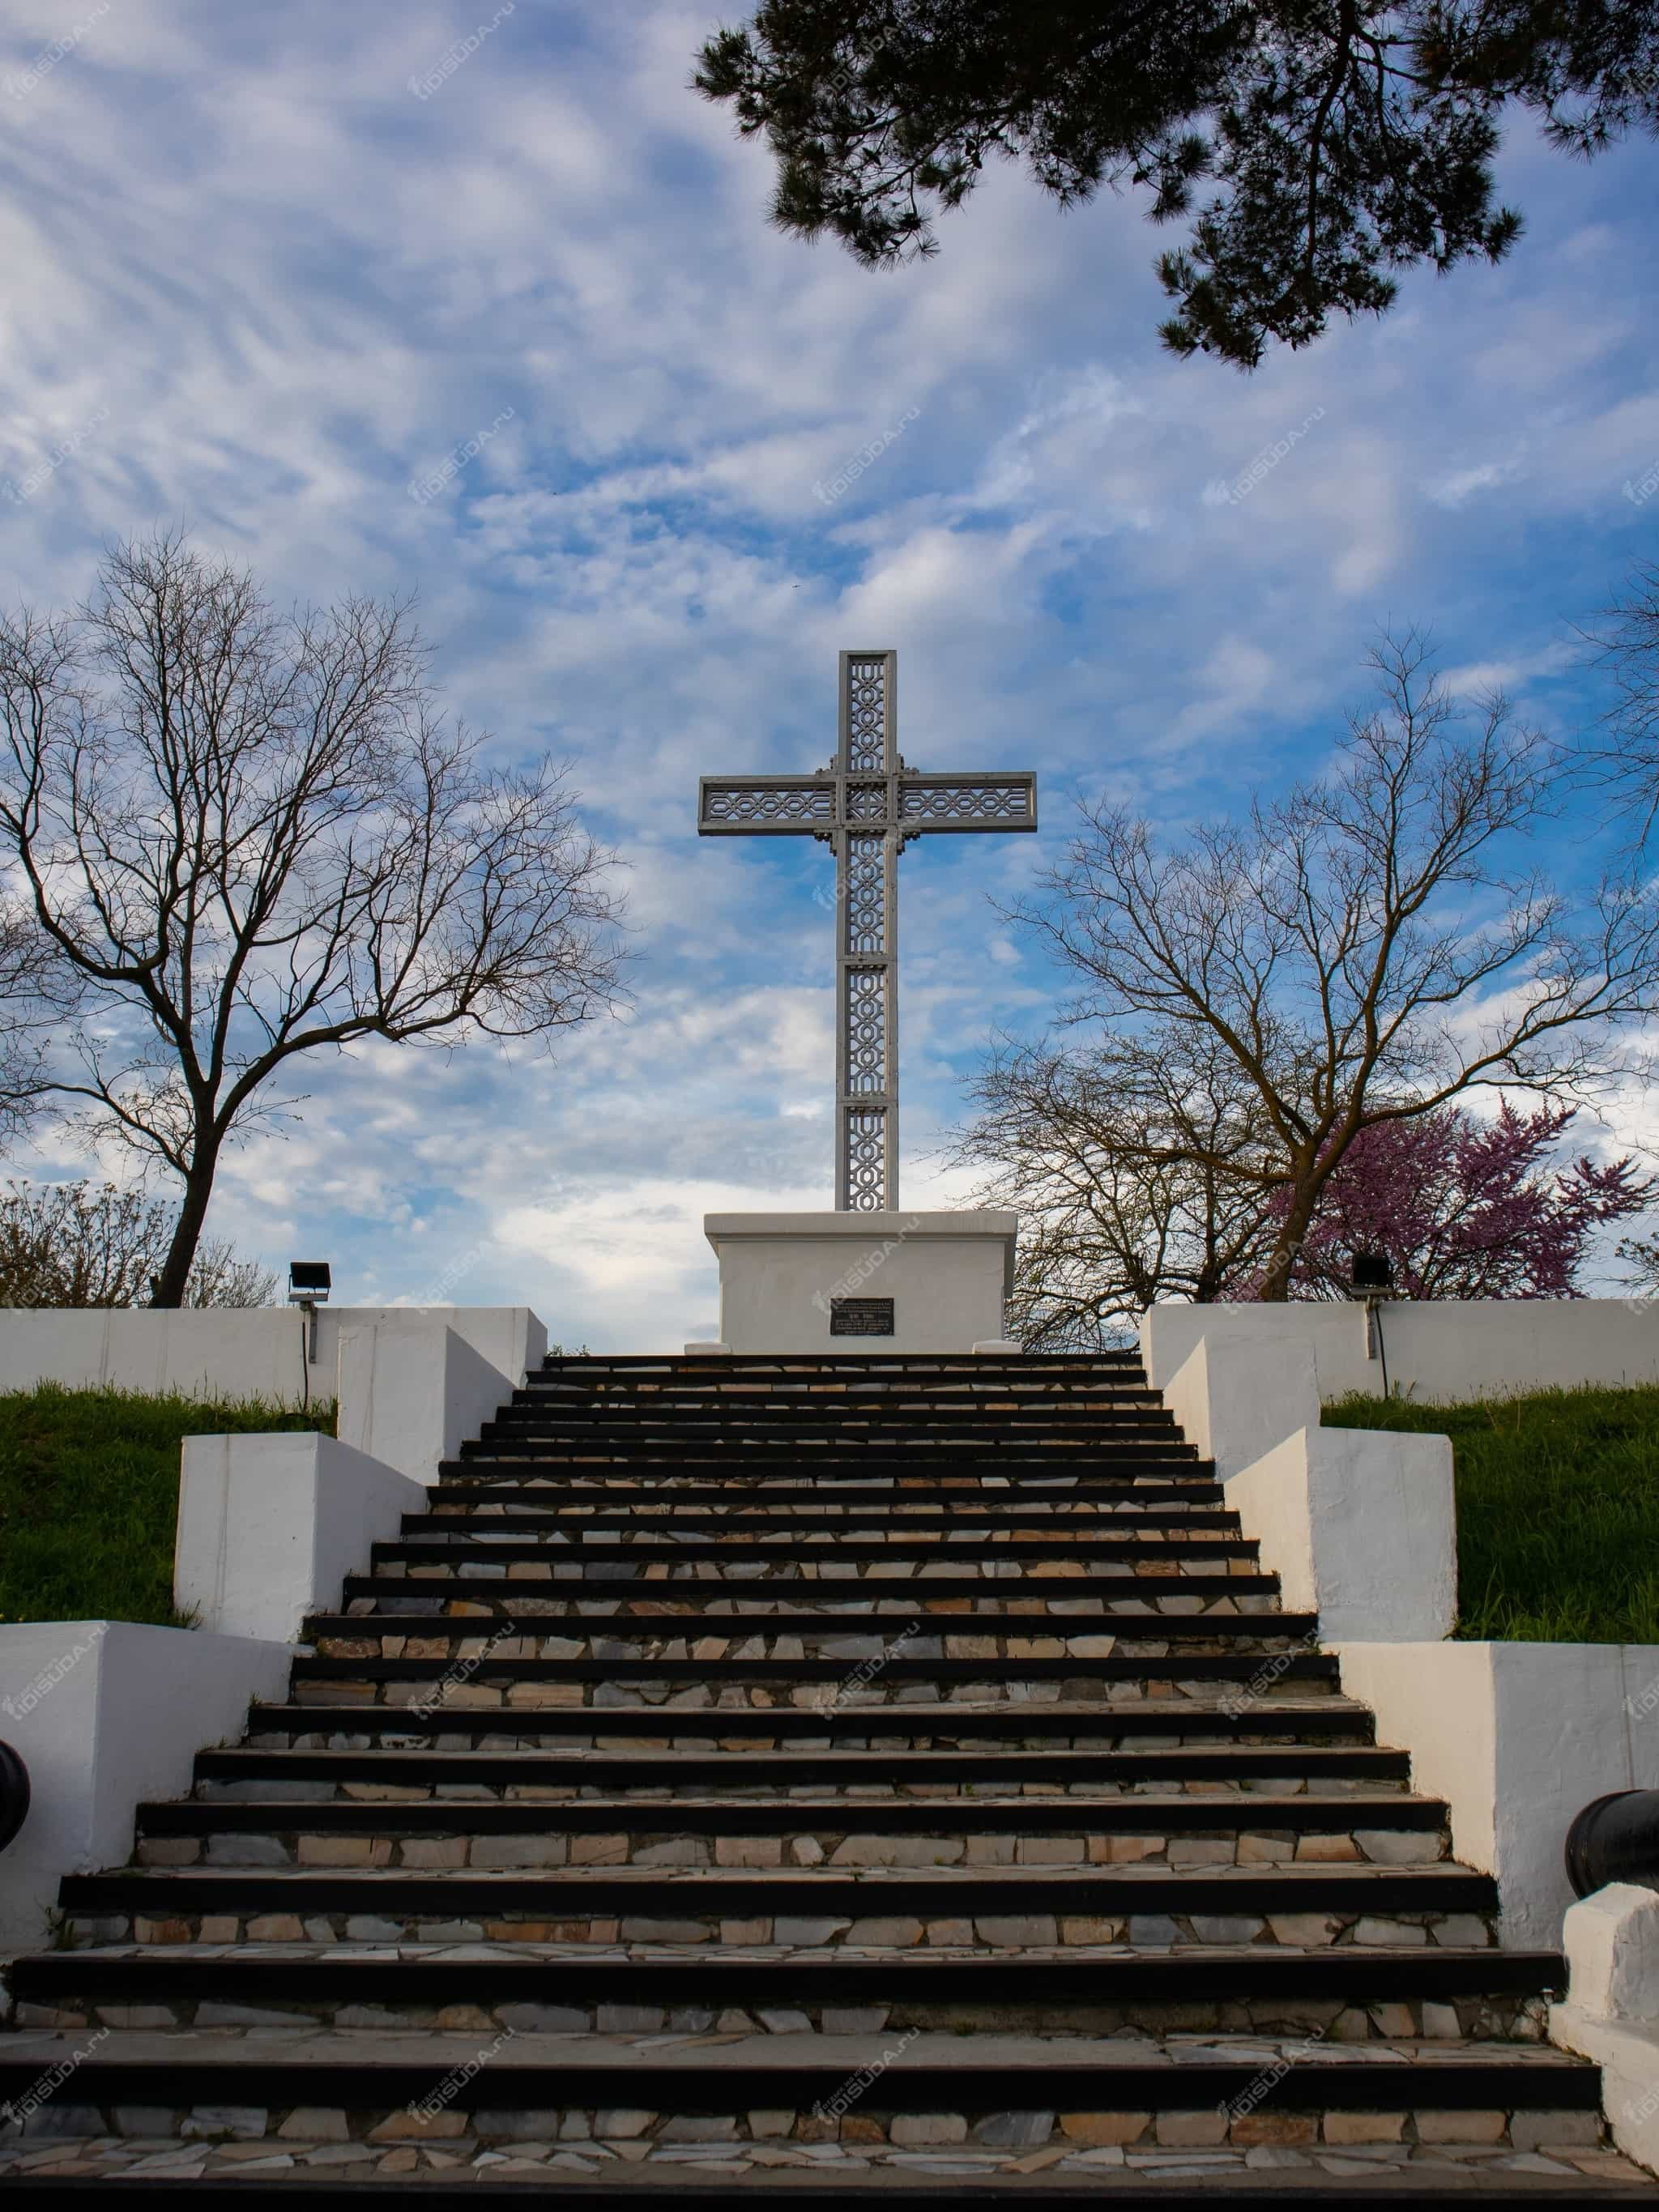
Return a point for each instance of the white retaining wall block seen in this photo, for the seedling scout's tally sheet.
(1360, 1526)
(510, 1339)
(1517, 1738)
(255, 1353)
(106, 1714)
(411, 1393)
(1612, 2009)
(1234, 1401)
(1438, 1351)
(269, 1525)
(1612, 1942)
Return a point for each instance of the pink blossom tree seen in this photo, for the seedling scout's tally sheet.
(1465, 1208)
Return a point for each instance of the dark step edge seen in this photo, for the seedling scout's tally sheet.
(1369, 1976)
(793, 1768)
(506, 2085)
(672, 1895)
(1194, 1666)
(945, 1816)
(577, 1589)
(1128, 1628)
(612, 1551)
(1345, 1720)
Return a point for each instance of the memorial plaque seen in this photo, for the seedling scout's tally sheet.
(860, 1317)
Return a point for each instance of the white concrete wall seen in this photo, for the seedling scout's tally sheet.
(510, 1338)
(948, 1275)
(269, 1525)
(411, 1392)
(258, 1353)
(254, 1353)
(1360, 1526)
(105, 1714)
(1517, 1738)
(1438, 1352)
(1236, 1401)
(1612, 2009)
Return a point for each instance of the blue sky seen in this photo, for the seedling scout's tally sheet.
(264, 278)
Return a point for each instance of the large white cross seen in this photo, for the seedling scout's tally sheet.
(866, 806)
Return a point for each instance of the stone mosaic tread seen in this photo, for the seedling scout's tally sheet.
(1471, 2170)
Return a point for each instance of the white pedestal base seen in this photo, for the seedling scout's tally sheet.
(784, 1275)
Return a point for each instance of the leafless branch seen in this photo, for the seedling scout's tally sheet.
(1370, 947)
(252, 837)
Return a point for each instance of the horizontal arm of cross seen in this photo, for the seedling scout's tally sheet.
(765, 805)
(966, 802)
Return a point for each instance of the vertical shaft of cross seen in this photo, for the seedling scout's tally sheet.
(867, 843)
(867, 807)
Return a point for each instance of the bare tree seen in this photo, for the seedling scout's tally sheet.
(1363, 950)
(73, 1244)
(252, 837)
(218, 1278)
(37, 995)
(1112, 1157)
(1626, 759)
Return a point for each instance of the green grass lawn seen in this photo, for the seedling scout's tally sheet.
(1558, 1511)
(89, 1497)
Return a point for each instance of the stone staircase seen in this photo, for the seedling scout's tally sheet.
(864, 1778)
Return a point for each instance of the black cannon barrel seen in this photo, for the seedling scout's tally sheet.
(1615, 1838)
(14, 1793)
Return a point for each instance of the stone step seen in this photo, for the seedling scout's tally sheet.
(731, 1609)
(740, 1516)
(242, 1771)
(981, 1424)
(898, 1389)
(1351, 1996)
(982, 1419)
(945, 1542)
(1110, 1360)
(1177, 1469)
(690, 1684)
(1007, 1375)
(387, 1829)
(398, 1588)
(550, 1492)
(1349, 2162)
(802, 1433)
(997, 2090)
(924, 1569)
(653, 1628)
(735, 1421)
(954, 1391)
(762, 1493)
(740, 1519)
(502, 1538)
(829, 1460)
(838, 1359)
(1284, 1726)
(757, 1372)
(1009, 1908)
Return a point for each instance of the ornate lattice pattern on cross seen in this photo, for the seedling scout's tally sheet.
(866, 806)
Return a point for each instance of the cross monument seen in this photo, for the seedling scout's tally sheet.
(867, 807)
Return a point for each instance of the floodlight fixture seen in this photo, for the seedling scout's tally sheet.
(309, 1282)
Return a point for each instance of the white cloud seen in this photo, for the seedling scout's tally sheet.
(1464, 483)
(292, 285)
